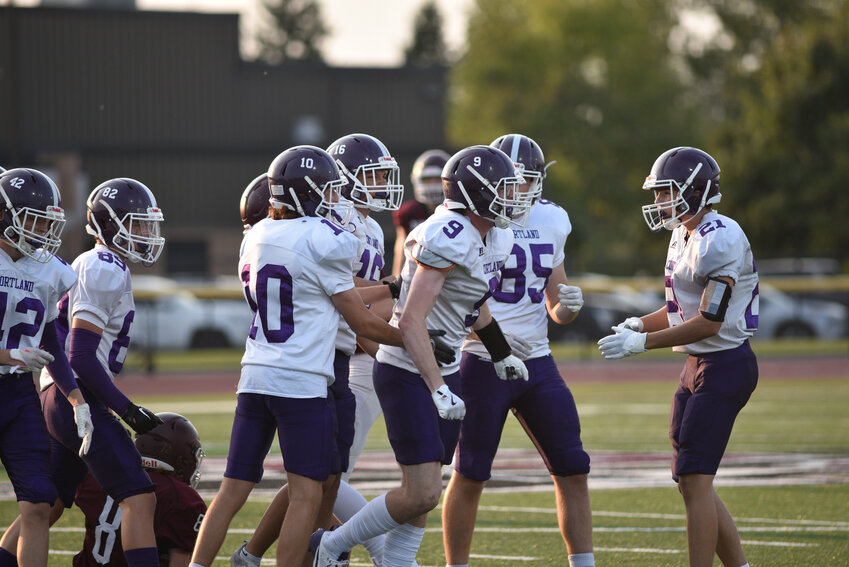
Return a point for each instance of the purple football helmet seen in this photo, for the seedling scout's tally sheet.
(374, 178)
(33, 218)
(427, 177)
(306, 180)
(692, 178)
(123, 215)
(172, 447)
(255, 201)
(485, 180)
(526, 154)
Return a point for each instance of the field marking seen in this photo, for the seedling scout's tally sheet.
(504, 557)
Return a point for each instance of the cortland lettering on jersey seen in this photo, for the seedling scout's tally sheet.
(16, 283)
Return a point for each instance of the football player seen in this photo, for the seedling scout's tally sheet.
(171, 454)
(452, 262)
(32, 280)
(533, 280)
(711, 312)
(373, 185)
(427, 190)
(254, 203)
(297, 275)
(95, 323)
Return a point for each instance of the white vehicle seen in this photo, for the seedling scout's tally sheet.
(782, 316)
(170, 318)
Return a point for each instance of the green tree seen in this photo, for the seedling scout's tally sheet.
(593, 83)
(428, 45)
(296, 33)
(785, 152)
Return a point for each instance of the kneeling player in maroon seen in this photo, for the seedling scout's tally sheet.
(172, 454)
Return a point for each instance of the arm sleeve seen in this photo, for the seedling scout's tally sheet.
(59, 369)
(91, 373)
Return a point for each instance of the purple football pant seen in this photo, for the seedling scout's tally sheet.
(345, 405)
(543, 405)
(113, 459)
(24, 442)
(713, 389)
(416, 432)
(304, 428)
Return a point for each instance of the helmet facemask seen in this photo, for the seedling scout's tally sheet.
(508, 206)
(376, 186)
(429, 190)
(136, 235)
(35, 233)
(331, 205)
(656, 214)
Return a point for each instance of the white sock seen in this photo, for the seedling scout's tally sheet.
(745, 565)
(195, 565)
(463, 565)
(582, 560)
(253, 559)
(348, 502)
(402, 544)
(372, 520)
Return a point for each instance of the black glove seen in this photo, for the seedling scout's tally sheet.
(444, 355)
(394, 288)
(140, 419)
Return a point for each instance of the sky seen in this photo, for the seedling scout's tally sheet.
(369, 33)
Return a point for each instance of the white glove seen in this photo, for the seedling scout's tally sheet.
(511, 368)
(449, 405)
(624, 342)
(570, 296)
(31, 358)
(633, 323)
(518, 345)
(82, 416)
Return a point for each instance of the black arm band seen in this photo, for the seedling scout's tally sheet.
(715, 299)
(494, 341)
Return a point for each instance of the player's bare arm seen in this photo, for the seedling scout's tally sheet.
(559, 312)
(398, 254)
(424, 290)
(692, 330)
(350, 305)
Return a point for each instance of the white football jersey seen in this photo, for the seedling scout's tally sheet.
(518, 303)
(29, 294)
(289, 269)
(103, 296)
(451, 237)
(717, 247)
(368, 264)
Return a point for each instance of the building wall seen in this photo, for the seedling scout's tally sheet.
(166, 98)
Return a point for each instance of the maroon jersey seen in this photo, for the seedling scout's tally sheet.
(179, 511)
(409, 215)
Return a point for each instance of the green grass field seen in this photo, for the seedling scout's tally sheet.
(780, 525)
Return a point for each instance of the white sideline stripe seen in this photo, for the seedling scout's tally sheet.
(637, 550)
(610, 514)
(504, 557)
(778, 543)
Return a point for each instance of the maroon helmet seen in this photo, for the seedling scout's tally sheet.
(427, 177)
(173, 447)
